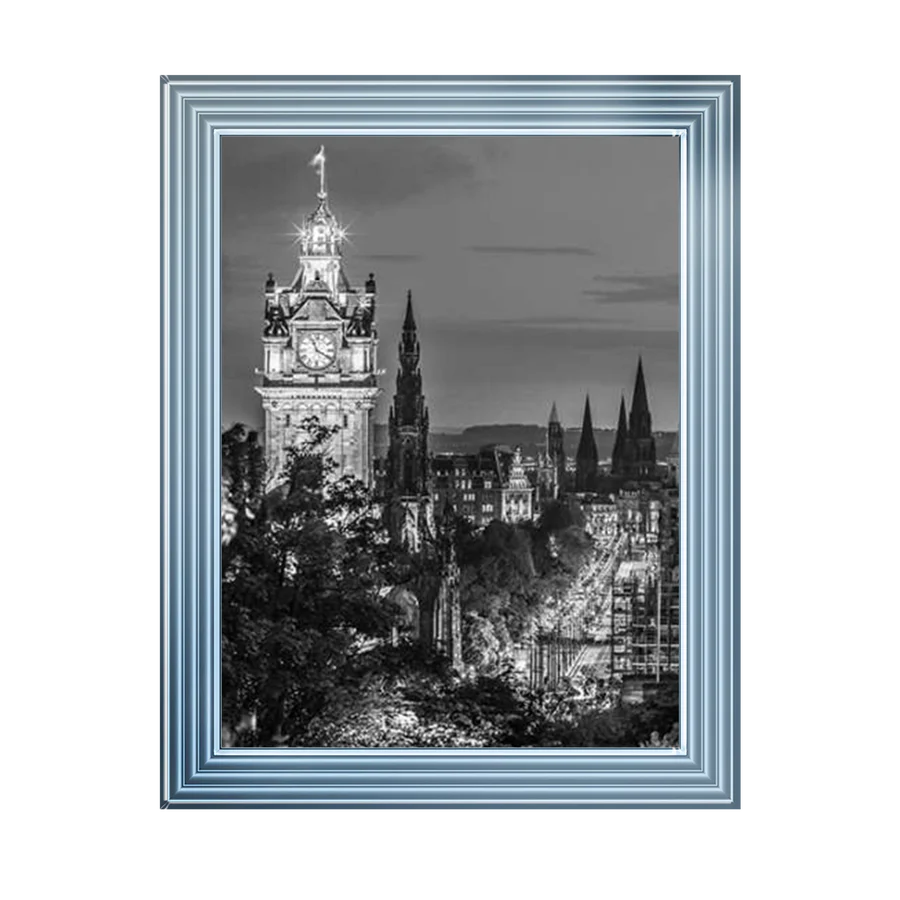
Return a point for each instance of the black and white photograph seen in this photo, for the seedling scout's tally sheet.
(450, 441)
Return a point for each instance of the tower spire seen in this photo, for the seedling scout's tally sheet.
(587, 425)
(640, 423)
(586, 456)
(641, 452)
(409, 463)
(556, 452)
(409, 340)
(409, 321)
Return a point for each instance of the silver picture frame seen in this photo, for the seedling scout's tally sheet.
(196, 771)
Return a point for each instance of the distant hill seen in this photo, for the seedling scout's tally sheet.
(531, 438)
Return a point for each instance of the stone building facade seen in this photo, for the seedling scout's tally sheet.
(485, 486)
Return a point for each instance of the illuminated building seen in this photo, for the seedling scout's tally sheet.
(319, 342)
(484, 486)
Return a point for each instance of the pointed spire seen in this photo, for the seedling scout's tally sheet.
(409, 466)
(556, 450)
(587, 426)
(622, 427)
(409, 341)
(409, 321)
(586, 455)
(587, 446)
(639, 421)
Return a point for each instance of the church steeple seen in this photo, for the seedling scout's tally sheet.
(556, 450)
(586, 456)
(640, 423)
(620, 448)
(641, 448)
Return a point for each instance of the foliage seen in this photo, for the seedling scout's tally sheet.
(302, 582)
(511, 576)
(310, 647)
(669, 739)
(607, 721)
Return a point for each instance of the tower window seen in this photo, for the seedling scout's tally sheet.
(345, 420)
(287, 420)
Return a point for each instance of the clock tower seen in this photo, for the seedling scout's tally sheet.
(319, 348)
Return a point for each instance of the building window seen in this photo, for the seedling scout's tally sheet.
(345, 420)
(287, 420)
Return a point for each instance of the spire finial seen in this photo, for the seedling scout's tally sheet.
(409, 322)
(318, 162)
(554, 415)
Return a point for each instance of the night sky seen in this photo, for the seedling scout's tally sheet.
(540, 266)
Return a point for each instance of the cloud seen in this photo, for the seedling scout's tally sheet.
(271, 175)
(563, 331)
(500, 249)
(633, 289)
(556, 323)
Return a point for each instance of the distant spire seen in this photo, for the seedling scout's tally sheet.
(409, 322)
(408, 464)
(641, 452)
(640, 423)
(556, 451)
(587, 426)
(586, 455)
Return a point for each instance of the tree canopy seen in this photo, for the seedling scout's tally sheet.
(314, 651)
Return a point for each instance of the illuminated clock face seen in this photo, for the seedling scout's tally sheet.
(316, 350)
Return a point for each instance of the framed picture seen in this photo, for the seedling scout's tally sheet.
(450, 440)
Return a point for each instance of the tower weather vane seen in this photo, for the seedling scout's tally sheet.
(318, 161)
